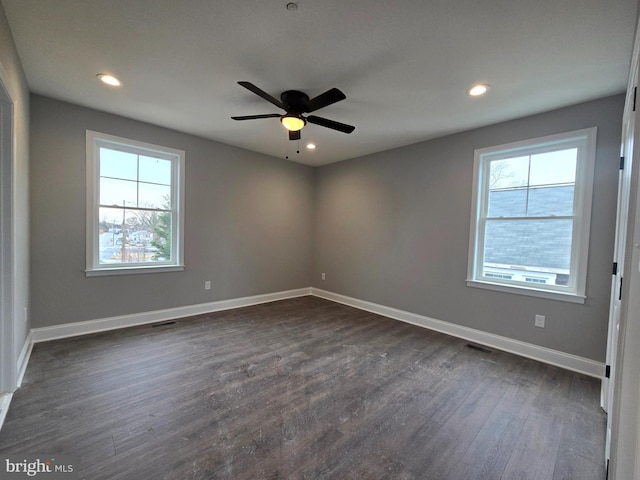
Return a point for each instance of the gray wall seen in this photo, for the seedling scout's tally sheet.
(249, 222)
(12, 77)
(390, 228)
(393, 228)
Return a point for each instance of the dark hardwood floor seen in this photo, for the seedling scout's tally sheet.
(302, 389)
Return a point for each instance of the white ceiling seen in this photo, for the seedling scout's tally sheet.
(404, 65)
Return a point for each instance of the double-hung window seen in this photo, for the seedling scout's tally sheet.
(135, 212)
(531, 215)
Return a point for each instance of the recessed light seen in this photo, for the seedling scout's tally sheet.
(479, 89)
(109, 79)
(311, 146)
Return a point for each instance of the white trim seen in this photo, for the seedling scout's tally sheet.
(585, 142)
(524, 349)
(532, 292)
(95, 140)
(100, 272)
(23, 359)
(5, 401)
(528, 350)
(8, 318)
(44, 334)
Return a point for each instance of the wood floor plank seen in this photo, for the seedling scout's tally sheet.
(536, 451)
(491, 449)
(302, 389)
(449, 444)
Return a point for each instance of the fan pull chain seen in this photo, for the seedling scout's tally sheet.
(286, 157)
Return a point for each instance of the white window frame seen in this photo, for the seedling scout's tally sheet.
(95, 140)
(585, 141)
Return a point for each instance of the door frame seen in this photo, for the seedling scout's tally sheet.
(8, 356)
(615, 305)
(624, 404)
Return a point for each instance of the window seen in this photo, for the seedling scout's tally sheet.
(531, 215)
(134, 206)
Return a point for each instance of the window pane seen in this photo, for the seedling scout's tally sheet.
(154, 196)
(111, 222)
(535, 244)
(554, 167)
(548, 201)
(133, 236)
(509, 173)
(155, 170)
(117, 164)
(118, 192)
(508, 203)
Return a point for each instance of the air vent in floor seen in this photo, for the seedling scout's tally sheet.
(478, 347)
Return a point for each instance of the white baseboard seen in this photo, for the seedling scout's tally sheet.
(535, 352)
(23, 359)
(101, 325)
(542, 354)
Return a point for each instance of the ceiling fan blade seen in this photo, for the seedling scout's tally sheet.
(294, 135)
(261, 93)
(324, 99)
(255, 117)
(325, 122)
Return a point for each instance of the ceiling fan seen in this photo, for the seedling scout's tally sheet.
(295, 103)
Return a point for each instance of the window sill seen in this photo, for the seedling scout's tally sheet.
(100, 272)
(563, 297)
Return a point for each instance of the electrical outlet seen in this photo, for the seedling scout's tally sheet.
(207, 285)
(323, 276)
(539, 321)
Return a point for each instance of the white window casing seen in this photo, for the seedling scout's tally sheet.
(137, 158)
(566, 282)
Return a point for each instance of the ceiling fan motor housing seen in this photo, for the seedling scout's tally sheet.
(295, 102)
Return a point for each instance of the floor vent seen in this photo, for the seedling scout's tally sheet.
(478, 347)
(164, 324)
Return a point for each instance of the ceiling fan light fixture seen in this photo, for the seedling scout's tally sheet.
(293, 123)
